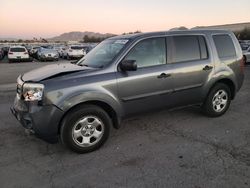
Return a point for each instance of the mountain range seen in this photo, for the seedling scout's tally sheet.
(78, 36)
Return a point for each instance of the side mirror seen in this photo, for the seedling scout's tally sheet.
(128, 65)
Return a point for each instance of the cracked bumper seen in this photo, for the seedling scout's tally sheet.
(43, 121)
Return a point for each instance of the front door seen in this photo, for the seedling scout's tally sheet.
(150, 86)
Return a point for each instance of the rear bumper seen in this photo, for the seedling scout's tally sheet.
(20, 59)
(43, 121)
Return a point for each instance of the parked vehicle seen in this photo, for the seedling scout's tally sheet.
(5, 50)
(244, 46)
(59, 49)
(74, 52)
(28, 47)
(1, 53)
(87, 49)
(45, 54)
(247, 55)
(33, 51)
(126, 75)
(18, 53)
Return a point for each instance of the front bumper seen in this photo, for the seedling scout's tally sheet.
(49, 58)
(42, 120)
(75, 56)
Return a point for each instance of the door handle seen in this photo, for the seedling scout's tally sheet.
(163, 75)
(207, 67)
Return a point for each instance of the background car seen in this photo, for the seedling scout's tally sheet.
(60, 50)
(5, 50)
(33, 51)
(45, 54)
(87, 48)
(74, 52)
(18, 53)
(247, 55)
(1, 53)
(244, 46)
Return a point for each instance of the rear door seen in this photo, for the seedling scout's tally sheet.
(191, 67)
(150, 86)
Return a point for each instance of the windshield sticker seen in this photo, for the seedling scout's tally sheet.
(121, 41)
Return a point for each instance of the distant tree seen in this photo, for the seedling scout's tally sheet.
(20, 41)
(90, 39)
(181, 28)
(129, 33)
(243, 34)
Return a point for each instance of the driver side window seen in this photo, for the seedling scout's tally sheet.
(149, 52)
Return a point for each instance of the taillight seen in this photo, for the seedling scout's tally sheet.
(10, 53)
(242, 63)
(25, 52)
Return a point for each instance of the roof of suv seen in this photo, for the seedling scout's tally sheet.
(148, 34)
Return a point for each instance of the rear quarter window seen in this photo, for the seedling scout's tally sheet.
(224, 46)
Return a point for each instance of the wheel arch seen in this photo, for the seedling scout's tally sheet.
(116, 120)
(229, 83)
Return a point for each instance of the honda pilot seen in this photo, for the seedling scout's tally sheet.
(124, 75)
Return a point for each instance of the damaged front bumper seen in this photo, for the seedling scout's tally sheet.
(42, 120)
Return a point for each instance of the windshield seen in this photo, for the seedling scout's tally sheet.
(103, 54)
(48, 50)
(76, 47)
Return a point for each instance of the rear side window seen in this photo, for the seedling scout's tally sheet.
(225, 46)
(188, 48)
(17, 50)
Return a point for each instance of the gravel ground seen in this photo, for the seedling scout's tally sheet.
(171, 148)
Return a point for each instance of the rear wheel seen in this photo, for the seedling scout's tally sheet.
(217, 101)
(85, 128)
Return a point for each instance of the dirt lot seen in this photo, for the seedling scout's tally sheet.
(174, 148)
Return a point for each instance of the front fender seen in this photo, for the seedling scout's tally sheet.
(67, 99)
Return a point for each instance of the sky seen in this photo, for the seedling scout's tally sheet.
(48, 18)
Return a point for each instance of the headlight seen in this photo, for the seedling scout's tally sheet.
(33, 92)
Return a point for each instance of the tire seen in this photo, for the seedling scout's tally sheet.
(217, 101)
(73, 132)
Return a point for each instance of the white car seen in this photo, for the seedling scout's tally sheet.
(18, 53)
(59, 49)
(247, 55)
(74, 52)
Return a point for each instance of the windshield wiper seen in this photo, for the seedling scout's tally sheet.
(74, 62)
(83, 65)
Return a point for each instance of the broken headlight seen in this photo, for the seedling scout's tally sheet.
(33, 91)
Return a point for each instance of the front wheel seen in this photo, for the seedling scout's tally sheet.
(85, 128)
(217, 101)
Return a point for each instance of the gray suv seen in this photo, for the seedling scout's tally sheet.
(125, 75)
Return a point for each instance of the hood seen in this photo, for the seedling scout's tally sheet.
(49, 71)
